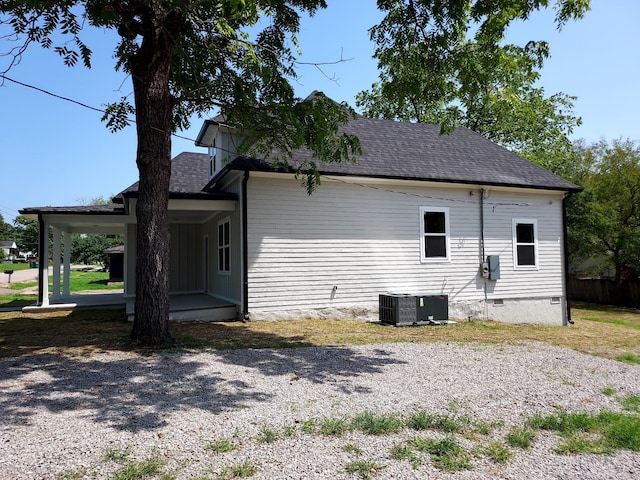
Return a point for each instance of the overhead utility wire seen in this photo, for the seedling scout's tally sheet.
(326, 176)
(4, 77)
(8, 212)
(66, 99)
(430, 197)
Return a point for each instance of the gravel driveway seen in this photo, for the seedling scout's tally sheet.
(62, 416)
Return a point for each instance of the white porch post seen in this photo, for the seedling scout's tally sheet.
(125, 262)
(55, 294)
(66, 270)
(43, 264)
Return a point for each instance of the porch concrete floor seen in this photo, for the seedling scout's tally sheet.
(193, 306)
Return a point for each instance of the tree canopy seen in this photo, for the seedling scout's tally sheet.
(604, 220)
(447, 63)
(26, 234)
(6, 230)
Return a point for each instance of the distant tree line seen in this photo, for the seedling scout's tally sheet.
(87, 249)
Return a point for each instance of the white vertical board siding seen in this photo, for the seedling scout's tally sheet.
(362, 240)
(227, 286)
(186, 264)
(345, 244)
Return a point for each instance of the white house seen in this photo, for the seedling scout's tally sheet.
(9, 248)
(418, 213)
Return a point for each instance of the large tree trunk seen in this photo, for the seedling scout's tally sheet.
(150, 75)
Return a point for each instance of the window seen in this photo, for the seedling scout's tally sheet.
(212, 160)
(434, 228)
(525, 251)
(224, 246)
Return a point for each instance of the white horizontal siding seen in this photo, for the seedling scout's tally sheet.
(546, 210)
(366, 241)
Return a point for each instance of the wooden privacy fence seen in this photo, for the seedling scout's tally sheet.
(605, 292)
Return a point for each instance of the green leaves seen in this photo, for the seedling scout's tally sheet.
(604, 220)
(116, 115)
(433, 69)
(40, 22)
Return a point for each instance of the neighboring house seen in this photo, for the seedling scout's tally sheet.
(9, 248)
(417, 213)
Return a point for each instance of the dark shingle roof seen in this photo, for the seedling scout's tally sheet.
(189, 174)
(113, 209)
(417, 151)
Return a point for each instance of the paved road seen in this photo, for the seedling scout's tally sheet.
(25, 275)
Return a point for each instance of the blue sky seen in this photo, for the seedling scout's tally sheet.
(54, 152)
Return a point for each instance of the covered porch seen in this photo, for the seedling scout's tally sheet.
(57, 224)
(193, 306)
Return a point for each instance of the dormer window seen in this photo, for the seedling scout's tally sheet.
(212, 160)
(221, 143)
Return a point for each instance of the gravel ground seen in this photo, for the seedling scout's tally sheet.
(61, 416)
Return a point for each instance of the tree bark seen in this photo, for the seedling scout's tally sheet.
(150, 68)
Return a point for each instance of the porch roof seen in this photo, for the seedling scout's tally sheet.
(187, 202)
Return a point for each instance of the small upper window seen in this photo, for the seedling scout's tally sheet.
(212, 160)
(525, 248)
(224, 246)
(434, 227)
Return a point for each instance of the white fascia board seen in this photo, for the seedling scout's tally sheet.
(431, 184)
(88, 219)
(207, 135)
(398, 182)
(202, 205)
(107, 230)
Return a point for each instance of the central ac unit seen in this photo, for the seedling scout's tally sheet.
(402, 309)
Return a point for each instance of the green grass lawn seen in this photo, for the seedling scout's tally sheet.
(83, 331)
(13, 266)
(78, 281)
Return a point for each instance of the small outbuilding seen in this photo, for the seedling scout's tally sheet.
(116, 263)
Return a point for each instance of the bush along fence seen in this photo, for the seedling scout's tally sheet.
(605, 292)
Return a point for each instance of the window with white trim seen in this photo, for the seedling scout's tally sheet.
(525, 243)
(224, 246)
(434, 228)
(212, 160)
